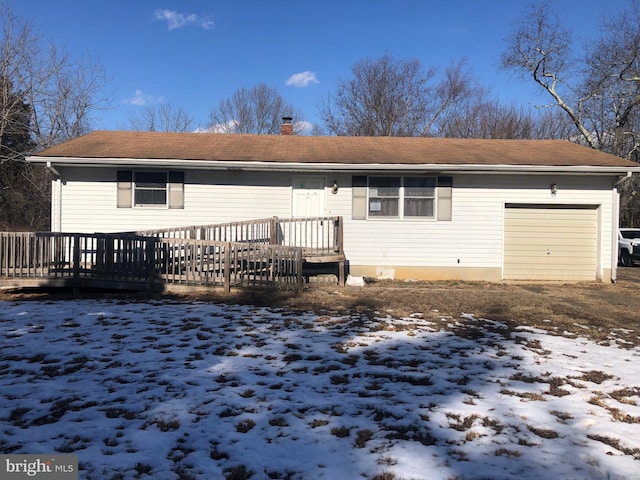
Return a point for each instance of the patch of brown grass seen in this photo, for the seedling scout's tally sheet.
(615, 443)
(543, 432)
(601, 307)
(595, 376)
(624, 395)
(563, 307)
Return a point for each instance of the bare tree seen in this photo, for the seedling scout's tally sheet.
(600, 91)
(49, 98)
(384, 97)
(452, 98)
(254, 110)
(63, 93)
(398, 97)
(612, 77)
(491, 119)
(539, 47)
(164, 117)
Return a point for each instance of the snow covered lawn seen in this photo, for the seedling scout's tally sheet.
(168, 390)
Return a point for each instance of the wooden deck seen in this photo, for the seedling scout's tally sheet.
(268, 252)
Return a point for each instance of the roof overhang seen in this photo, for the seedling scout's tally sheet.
(239, 165)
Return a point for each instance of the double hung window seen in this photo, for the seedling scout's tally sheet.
(402, 197)
(150, 189)
(384, 196)
(419, 196)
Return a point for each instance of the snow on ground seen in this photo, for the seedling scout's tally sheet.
(168, 390)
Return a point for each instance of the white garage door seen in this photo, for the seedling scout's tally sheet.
(550, 243)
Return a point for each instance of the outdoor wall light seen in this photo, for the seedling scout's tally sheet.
(334, 187)
(554, 189)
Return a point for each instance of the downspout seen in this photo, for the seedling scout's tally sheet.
(56, 218)
(615, 224)
(53, 170)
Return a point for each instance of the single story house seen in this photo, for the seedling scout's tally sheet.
(412, 208)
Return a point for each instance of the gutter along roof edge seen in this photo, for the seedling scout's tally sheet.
(310, 166)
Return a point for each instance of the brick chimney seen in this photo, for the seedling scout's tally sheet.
(287, 127)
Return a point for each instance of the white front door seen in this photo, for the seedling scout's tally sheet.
(307, 197)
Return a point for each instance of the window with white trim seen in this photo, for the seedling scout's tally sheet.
(384, 196)
(401, 197)
(419, 196)
(150, 188)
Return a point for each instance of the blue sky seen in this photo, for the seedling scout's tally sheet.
(194, 53)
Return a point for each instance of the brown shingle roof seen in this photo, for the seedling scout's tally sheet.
(331, 150)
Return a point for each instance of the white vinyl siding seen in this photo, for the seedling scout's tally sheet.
(550, 243)
(89, 197)
(472, 238)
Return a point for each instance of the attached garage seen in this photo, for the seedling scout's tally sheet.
(550, 242)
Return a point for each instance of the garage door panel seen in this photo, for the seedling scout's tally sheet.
(586, 241)
(547, 248)
(521, 227)
(560, 237)
(551, 215)
(553, 256)
(539, 262)
(550, 243)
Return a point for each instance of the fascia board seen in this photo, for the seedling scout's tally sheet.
(334, 167)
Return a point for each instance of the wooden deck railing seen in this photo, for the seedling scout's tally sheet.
(318, 236)
(227, 264)
(77, 256)
(76, 259)
(253, 231)
(257, 252)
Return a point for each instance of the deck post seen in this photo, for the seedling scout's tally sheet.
(340, 250)
(226, 268)
(151, 252)
(76, 262)
(76, 257)
(300, 279)
(273, 231)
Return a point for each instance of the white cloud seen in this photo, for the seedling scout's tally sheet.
(302, 79)
(305, 127)
(229, 127)
(178, 20)
(141, 99)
